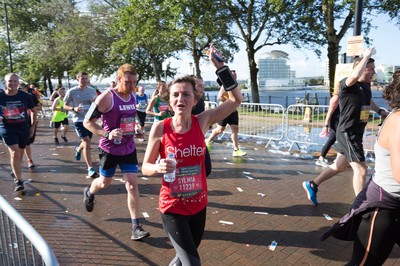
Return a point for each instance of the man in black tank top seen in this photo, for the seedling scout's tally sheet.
(354, 104)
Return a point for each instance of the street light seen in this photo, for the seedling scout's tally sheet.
(8, 38)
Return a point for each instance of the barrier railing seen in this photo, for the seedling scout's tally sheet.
(20, 243)
(304, 123)
(262, 121)
(259, 121)
(299, 124)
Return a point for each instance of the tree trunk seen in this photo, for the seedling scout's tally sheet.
(50, 85)
(196, 59)
(333, 54)
(156, 68)
(253, 75)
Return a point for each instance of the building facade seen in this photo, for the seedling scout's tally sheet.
(275, 73)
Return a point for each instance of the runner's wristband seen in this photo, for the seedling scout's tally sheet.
(226, 78)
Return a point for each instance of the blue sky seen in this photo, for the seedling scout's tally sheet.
(385, 38)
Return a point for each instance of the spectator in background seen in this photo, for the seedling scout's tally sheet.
(78, 100)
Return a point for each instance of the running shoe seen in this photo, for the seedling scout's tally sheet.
(19, 185)
(56, 141)
(311, 192)
(77, 153)
(64, 139)
(92, 173)
(31, 165)
(238, 153)
(138, 233)
(88, 201)
(208, 145)
(323, 162)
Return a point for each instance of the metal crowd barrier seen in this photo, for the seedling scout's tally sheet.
(304, 123)
(298, 124)
(259, 121)
(20, 243)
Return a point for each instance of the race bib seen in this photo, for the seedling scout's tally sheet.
(187, 182)
(364, 114)
(163, 107)
(142, 105)
(127, 125)
(12, 112)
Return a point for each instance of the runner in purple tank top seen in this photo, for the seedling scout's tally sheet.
(117, 109)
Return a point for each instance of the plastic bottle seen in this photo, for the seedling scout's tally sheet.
(170, 177)
(117, 141)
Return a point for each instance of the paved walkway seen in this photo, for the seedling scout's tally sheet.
(261, 195)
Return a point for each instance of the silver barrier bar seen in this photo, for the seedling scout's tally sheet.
(20, 224)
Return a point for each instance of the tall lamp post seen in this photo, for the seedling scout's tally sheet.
(358, 18)
(8, 38)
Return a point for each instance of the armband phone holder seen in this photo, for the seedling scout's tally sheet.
(93, 112)
(226, 78)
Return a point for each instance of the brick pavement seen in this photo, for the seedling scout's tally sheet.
(271, 186)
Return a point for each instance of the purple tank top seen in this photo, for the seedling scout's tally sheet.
(122, 115)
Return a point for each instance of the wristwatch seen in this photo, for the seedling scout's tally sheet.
(106, 134)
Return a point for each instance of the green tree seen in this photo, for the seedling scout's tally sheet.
(338, 17)
(148, 26)
(268, 23)
(201, 29)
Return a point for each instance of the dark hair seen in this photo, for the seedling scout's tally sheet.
(391, 93)
(23, 85)
(358, 60)
(184, 79)
(80, 74)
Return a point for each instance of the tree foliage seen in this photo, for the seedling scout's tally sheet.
(148, 26)
(271, 22)
(202, 28)
(49, 37)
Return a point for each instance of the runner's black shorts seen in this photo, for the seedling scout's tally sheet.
(350, 144)
(109, 162)
(142, 117)
(232, 119)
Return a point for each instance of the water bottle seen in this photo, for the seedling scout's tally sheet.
(82, 106)
(170, 177)
(117, 141)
